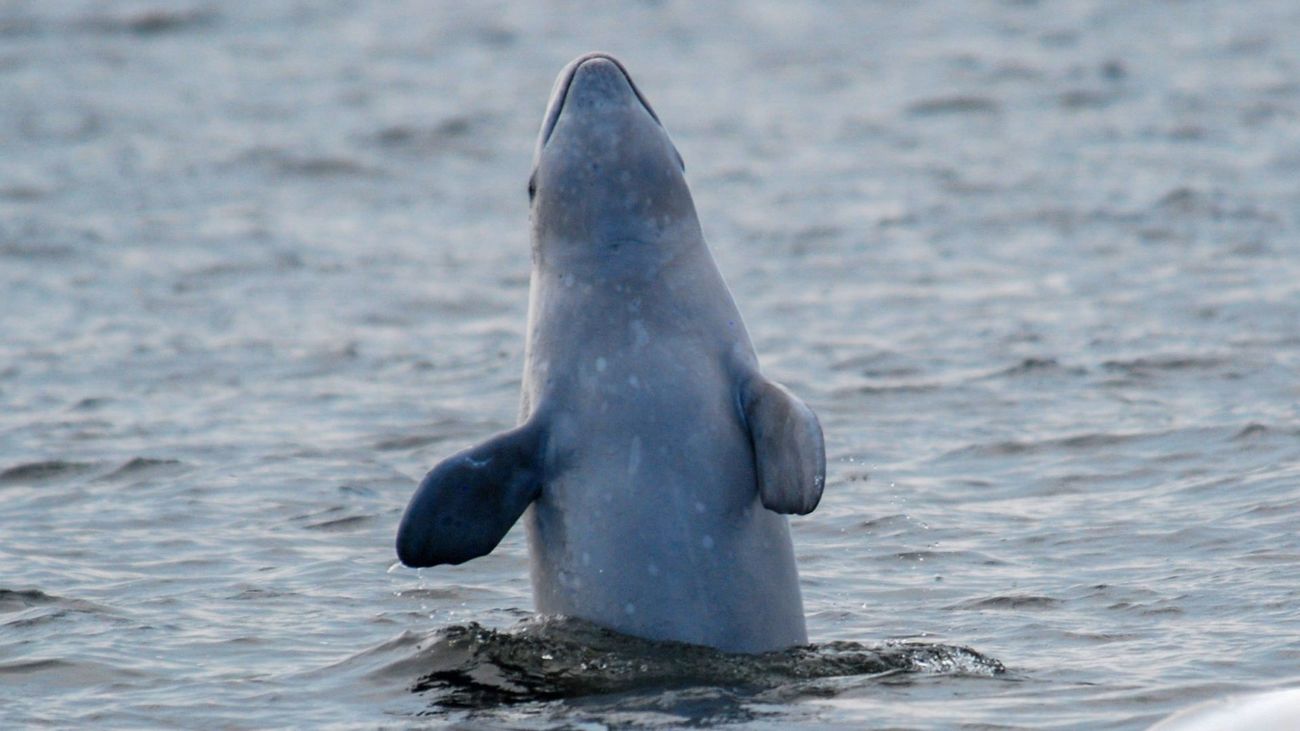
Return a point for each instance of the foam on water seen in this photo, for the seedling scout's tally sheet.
(562, 666)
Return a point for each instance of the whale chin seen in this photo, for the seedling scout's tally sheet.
(603, 78)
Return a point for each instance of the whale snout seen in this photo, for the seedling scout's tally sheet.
(590, 84)
(604, 168)
(599, 79)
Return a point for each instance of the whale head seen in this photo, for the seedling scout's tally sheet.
(606, 177)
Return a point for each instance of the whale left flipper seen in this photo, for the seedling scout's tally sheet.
(467, 504)
(789, 454)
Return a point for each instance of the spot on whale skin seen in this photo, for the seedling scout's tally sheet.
(640, 336)
(634, 456)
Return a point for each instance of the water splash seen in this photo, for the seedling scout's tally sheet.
(471, 666)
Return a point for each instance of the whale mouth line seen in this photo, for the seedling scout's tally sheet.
(562, 92)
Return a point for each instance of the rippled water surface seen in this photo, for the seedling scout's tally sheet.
(1034, 264)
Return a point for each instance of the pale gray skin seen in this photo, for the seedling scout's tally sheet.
(654, 461)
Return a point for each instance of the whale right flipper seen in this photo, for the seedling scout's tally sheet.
(789, 453)
(467, 504)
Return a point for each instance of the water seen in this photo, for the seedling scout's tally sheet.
(1033, 263)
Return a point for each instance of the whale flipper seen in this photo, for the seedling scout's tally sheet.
(466, 505)
(789, 454)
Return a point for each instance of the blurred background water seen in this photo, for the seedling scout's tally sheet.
(1033, 263)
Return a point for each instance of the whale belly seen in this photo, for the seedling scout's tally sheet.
(652, 525)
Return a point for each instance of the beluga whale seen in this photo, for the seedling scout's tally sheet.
(653, 463)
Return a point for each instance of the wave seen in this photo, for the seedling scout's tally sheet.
(470, 666)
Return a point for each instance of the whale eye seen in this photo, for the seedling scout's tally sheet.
(532, 186)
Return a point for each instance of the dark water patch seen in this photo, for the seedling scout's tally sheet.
(13, 600)
(33, 618)
(1012, 602)
(152, 21)
(141, 20)
(144, 466)
(1146, 366)
(1285, 506)
(413, 441)
(880, 388)
(53, 672)
(16, 26)
(898, 522)
(40, 472)
(496, 36)
(364, 491)
(91, 403)
(323, 166)
(1078, 99)
(857, 476)
(814, 234)
(21, 600)
(23, 192)
(460, 135)
(903, 381)
(1037, 367)
(1075, 483)
(1059, 38)
(1111, 593)
(954, 182)
(307, 165)
(1100, 638)
(1185, 132)
(953, 105)
(210, 276)
(29, 667)
(1266, 111)
(1257, 432)
(50, 610)
(1149, 609)
(1113, 69)
(1012, 447)
(1091, 441)
(469, 666)
(876, 364)
(1273, 556)
(336, 525)
(321, 517)
(65, 125)
(254, 593)
(1187, 202)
